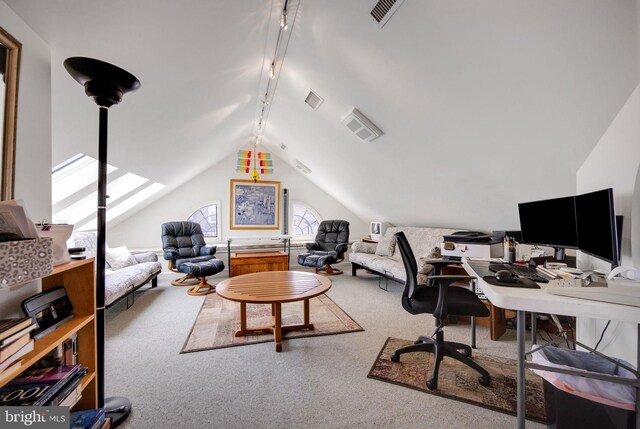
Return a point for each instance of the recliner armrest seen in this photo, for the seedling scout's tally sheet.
(170, 255)
(313, 246)
(208, 250)
(342, 247)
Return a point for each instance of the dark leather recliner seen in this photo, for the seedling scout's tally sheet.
(439, 298)
(329, 247)
(185, 249)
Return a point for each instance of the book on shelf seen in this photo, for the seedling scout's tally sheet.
(17, 335)
(68, 388)
(14, 366)
(4, 365)
(72, 398)
(64, 354)
(9, 327)
(87, 419)
(13, 347)
(35, 387)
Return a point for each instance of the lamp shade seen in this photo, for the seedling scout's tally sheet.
(102, 81)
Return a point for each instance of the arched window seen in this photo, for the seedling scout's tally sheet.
(207, 217)
(305, 220)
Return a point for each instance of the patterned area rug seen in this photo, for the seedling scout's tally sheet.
(457, 381)
(219, 318)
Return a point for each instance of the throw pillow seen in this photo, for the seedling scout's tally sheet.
(119, 257)
(387, 244)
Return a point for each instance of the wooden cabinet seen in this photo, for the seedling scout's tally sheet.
(254, 262)
(78, 277)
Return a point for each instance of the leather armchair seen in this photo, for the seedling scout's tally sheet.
(185, 249)
(329, 247)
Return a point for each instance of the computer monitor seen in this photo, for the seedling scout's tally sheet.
(597, 226)
(550, 223)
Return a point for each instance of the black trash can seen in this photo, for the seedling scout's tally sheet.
(568, 411)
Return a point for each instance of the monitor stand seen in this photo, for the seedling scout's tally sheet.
(559, 255)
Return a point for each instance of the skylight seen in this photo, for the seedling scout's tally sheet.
(73, 175)
(72, 204)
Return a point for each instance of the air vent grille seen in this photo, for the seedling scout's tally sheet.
(361, 126)
(300, 166)
(383, 10)
(313, 100)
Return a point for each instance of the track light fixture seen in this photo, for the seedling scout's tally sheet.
(272, 70)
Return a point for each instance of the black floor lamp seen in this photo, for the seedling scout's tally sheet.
(106, 84)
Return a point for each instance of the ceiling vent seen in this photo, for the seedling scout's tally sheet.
(362, 127)
(300, 166)
(383, 10)
(313, 100)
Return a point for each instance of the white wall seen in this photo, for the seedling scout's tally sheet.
(614, 163)
(143, 229)
(33, 137)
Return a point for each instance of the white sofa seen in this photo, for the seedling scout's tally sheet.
(384, 259)
(121, 283)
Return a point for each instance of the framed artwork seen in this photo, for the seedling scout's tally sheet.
(255, 205)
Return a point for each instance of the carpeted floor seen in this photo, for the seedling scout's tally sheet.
(458, 381)
(316, 382)
(219, 318)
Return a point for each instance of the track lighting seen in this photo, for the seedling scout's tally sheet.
(283, 21)
(272, 71)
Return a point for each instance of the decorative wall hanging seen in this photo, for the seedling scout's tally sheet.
(254, 162)
(255, 205)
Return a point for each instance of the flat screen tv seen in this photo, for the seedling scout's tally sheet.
(597, 226)
(550, 223)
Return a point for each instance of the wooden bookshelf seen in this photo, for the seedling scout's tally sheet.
(78, 277)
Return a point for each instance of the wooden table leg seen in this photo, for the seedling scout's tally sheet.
(306, 315)
(243, 321)
(277, 329)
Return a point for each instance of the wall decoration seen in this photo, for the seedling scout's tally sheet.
(260, 161)
(255, 205)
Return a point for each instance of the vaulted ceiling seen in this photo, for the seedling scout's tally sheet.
(482, 104)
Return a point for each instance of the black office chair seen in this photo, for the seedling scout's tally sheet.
(440, 299)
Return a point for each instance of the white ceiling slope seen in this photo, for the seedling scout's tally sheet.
(483, 104)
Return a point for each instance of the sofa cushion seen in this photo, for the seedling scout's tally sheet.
(118, 283)
(119, 257)
(386, 245)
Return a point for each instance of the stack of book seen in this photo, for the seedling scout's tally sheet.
(54, 386)
(15, 342)
(90, 419)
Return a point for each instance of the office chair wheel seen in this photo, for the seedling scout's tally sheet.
(395, 358)
(484, 380)
(432, 384)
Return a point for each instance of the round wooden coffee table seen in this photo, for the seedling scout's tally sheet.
(275, 288)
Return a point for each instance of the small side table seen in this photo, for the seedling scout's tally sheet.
(368, 240)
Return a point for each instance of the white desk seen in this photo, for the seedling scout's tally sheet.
(538, 301)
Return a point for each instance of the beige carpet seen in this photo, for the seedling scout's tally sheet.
(458, 381)
(219, 318)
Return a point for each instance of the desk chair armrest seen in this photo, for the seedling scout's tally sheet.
(208, 250)
(439, 264)
(443, 283)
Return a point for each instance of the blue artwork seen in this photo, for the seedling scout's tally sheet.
(255, 205)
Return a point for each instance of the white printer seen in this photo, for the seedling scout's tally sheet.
(470, 244)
